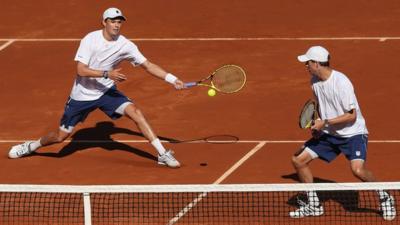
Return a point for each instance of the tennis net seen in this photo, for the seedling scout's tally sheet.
(320, 203)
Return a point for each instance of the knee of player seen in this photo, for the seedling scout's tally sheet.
(358, 171)
(297, 162)
(135, 114)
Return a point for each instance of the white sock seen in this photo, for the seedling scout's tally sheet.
(382, 194)
(160, 148)
(35, 145)
(313, 198)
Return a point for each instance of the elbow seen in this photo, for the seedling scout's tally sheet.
(80, 69)
(146, 65)
(353, 116)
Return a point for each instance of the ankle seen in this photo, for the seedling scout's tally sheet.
(35, 145)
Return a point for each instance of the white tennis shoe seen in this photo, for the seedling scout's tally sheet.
(388, 208)
(168, 159)
(20, 150)
(307, 210)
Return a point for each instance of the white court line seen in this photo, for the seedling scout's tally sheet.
(194, 142)
(240, 162)
(5, 45)
(381, 39)
(189, 206)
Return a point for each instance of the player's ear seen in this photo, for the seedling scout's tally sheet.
(104, 22)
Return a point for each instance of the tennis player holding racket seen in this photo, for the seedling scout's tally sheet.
(342, 130)
(97, 58)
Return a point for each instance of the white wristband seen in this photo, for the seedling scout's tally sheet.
(170, 78)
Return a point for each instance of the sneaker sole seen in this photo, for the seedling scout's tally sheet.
(164, 164)
(302, 215)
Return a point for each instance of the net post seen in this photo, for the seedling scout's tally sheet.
(87, 208)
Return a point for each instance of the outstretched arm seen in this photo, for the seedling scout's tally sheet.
(162, 74)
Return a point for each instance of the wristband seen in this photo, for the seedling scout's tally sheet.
(105, 74)
(170, 78)
(326, 123)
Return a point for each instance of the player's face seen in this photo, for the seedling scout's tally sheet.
(112, 26)
(312, 67)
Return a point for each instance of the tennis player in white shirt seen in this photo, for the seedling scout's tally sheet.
(97, 58)
(340, 129)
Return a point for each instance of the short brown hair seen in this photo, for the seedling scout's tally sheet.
(326, 64)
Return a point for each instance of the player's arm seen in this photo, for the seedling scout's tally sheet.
(159, 72)
(83, 70)
(348, 117)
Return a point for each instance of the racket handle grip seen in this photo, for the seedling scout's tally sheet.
(190, 84)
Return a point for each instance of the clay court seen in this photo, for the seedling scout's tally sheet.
(38, 42)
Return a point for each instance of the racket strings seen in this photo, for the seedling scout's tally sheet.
(307, 115)
(229, 79)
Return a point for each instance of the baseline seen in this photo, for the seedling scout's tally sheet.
(377, 38)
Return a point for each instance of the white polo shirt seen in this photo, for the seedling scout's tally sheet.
(100, 54)
(335, 97)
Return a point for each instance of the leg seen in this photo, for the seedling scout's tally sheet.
(386, 200)
(164, 157)
(356, 151)
(359, 171)
(300, 162)
(28, 147)
(132, 112)
(54, 137)
(115, 104)
(75, 112)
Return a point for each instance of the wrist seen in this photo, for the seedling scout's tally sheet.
(326, 123)
(170, 78)
(105, 74)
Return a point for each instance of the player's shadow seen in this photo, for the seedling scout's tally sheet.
(349, 199)
(100, 137)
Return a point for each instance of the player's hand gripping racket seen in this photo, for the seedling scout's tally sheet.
(308, 114)
(226, 79)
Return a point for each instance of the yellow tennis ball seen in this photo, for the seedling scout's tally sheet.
(211, 92)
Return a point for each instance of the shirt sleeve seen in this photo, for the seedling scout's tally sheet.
(135, 56)
(84, 52)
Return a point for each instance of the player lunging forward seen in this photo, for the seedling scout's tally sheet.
(98, 55)
(341, 129)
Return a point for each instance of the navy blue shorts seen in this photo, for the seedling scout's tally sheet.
(77, 111)
(328, 147)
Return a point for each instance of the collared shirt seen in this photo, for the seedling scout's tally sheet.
(336, 97)
(99, 54)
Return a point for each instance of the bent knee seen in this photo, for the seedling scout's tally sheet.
(358, 172)
(134, 113)
(297, 162)
(301, 158)
(357, 167)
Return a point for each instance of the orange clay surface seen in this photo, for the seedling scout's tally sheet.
(37, 76)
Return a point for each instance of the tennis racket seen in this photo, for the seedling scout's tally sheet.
(226, 79)
(308, 114)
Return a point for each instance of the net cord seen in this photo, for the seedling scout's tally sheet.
(199, 188)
